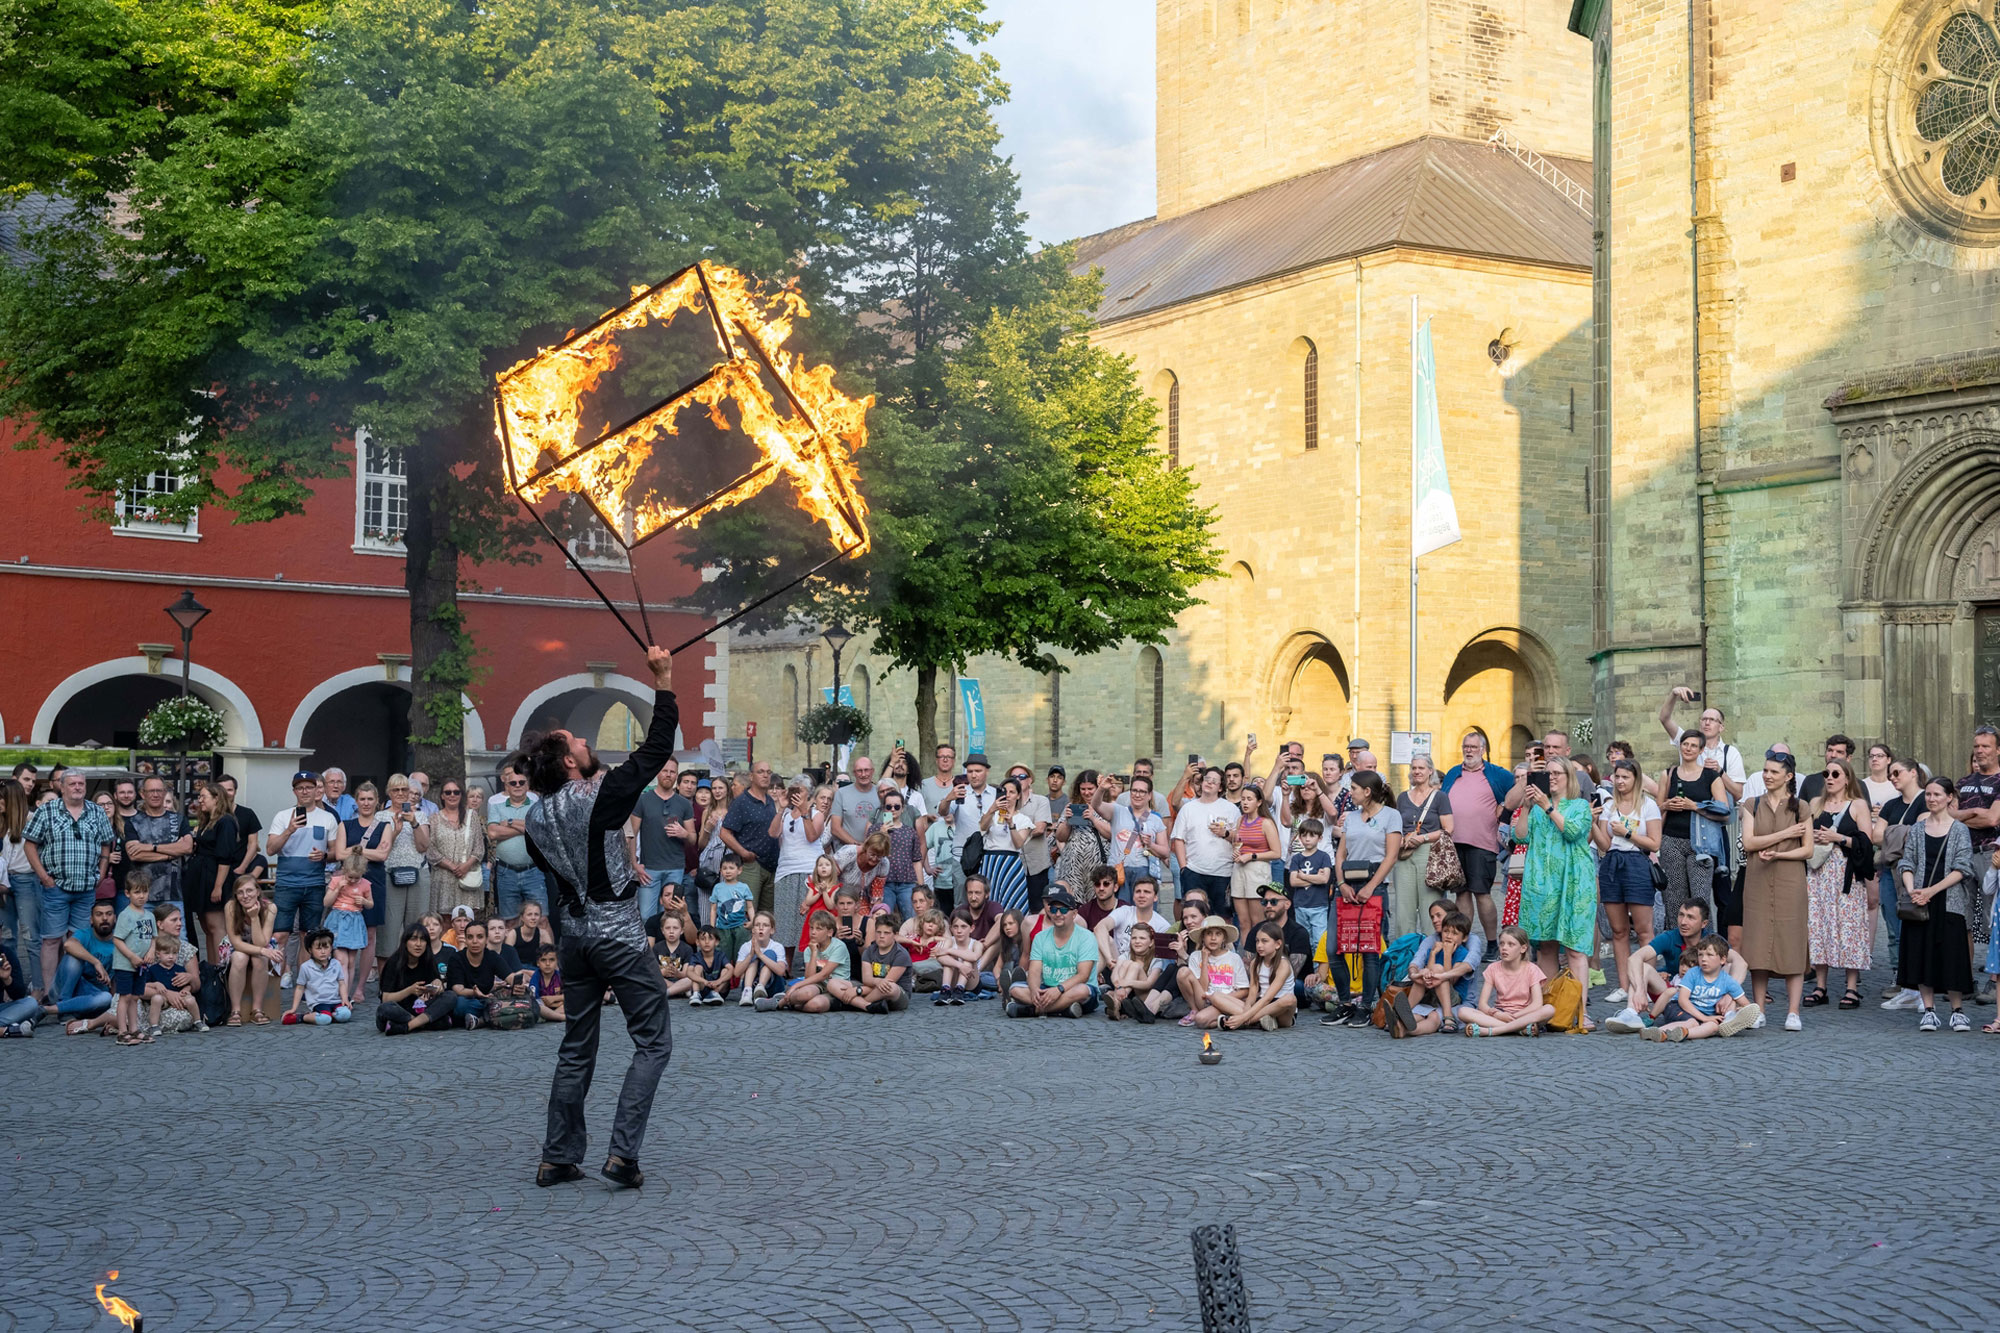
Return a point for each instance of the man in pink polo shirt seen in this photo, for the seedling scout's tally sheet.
(1475, 830)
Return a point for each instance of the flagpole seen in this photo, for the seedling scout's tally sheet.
(1415, 390)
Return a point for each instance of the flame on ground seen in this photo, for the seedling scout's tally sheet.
(1207, 1042)
(115, 1306)
(539, 400)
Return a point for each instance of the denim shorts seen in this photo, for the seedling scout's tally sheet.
(304, 902)
(66, 911)
(127, 983)
(1625, 878)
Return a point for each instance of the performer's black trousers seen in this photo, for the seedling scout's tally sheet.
(588, 966)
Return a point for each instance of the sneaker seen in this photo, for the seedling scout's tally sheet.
(957, 995)
(285, 981)
(762, 993)
(1333, 1018)
(1742, 1020)
(1615, 997)
(1959, 1023)
(1794, 1024)
(1984, 995)
(152, 1033)
(1358, 1017)
(764, 1004)
(1654, 1034)
(1268, 1023)
(1903, 999)
(749, 998)
(1759, 1024)
(21, 1029)
(1675, 1033)
(396, 1028)
(1074, 1011)
(1929, 1022)
(1020, 1009)
(1626, 1020)
(200, 1026)
(939, 1001)
(473, 1022)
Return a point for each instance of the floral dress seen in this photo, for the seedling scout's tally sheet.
(1840, 917)
(1559, 881)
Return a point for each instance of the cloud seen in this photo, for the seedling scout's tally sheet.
(1080, 123)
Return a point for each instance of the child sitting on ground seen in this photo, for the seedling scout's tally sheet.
(171, 961)
(1141, 985)
(958, 962)
(547, 985)
(926, 971)
(1707, 1002)
(922, 900)
(322, 989)
(1216, 984)
(761, 961)
(822, 894)
(729, 904)
(822, 964)
(710, 969)
(348, 895)
(675, 955)
(1271, 1004)
(1010, 951)
(1440, 977)
(132, 937)
(850, 927)
(882, 986)
(1510, 997)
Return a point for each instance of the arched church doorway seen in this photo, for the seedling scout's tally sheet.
(1499, 685)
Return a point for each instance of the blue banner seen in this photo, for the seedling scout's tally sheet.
(846, 694)
(974, 711)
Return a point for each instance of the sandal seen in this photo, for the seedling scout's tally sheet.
(258, 1018)
(77, 1027)
(1851, 1000)
(1993, 1027)
(235, 1021)
(1817, 996)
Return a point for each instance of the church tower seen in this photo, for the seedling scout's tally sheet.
(1251, 92)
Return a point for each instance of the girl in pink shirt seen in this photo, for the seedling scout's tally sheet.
(1510, 997)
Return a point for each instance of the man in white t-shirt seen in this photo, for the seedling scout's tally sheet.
(1201, 841)
(1114, 932)
(1716, 753)
(1035, 851)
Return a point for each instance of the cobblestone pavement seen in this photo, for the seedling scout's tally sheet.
(948, 1169)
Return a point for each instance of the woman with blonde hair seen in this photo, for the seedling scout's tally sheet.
(457, 853)
(409, 840)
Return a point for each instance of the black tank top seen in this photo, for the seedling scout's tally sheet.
(1680, 823)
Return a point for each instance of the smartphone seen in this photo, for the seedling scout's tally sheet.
(299, 813)
(1295, 780)
(1540, 781)
(1694, 696)
(1194, 759)
(899, 742)
(1253, 738)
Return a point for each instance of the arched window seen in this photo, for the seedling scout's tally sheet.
(1173, 421)
(1149, 715)
(792, 713)
(1312, 396)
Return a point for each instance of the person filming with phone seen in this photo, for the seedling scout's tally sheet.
(1716, 753)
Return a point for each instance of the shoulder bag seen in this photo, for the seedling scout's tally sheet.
(1908, 908)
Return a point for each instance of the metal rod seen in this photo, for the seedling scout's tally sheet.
(1218, 1280)
(609, 315)
(819, 436)
(672, 400)
(778, 592)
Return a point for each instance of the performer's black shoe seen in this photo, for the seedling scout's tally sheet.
(625, 1175)
(549, 1173)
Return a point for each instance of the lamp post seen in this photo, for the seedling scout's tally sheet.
(187, 613)
(836, 637)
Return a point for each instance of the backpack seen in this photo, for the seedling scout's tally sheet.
(509, 1012)
(213, 995)
(1397, 956)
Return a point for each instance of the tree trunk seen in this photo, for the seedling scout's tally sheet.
(440, 649)
(927, 737)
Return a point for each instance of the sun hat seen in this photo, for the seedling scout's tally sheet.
(1209, 923)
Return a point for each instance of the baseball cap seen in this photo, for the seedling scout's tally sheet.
(461, 913)
(1057, 770)
(304, 775)
(1060, 898)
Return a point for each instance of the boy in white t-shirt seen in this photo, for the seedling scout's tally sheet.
(761, 962)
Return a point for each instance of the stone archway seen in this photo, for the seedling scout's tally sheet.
(1503, 683)
(1311, 695)
(117, 693)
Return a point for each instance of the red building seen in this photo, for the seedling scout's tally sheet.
(307, 649)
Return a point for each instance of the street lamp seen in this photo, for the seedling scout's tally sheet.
(187, 613)
(836, 637)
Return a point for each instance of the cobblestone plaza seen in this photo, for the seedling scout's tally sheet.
(948, 1169)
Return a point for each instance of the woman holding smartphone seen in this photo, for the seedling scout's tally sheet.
(409, 838)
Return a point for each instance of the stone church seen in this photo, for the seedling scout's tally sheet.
(1795, 357)
(1320, 166)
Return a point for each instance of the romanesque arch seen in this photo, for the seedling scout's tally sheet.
(1310, 693)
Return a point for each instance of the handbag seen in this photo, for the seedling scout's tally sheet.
(1445, 873)
(972, 853)
(509, 1011)
(474, 878)
(1908, 908)
(1358, 872)
(1563, 994)
(403, 877)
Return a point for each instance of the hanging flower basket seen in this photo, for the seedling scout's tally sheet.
(833, 724)
(182, 721)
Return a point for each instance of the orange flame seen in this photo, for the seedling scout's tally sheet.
(115, 1306)
(1207, 1042)
(539, 400)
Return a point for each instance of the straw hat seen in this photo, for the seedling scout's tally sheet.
(1217, 923)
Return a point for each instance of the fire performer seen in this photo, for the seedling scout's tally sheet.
(576, 834)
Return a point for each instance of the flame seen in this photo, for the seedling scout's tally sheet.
(1207, 1042)
(540, 417)
(115, 1306)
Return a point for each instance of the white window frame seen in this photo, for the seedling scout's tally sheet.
(366, 542)
(613, 558)
(132, 520)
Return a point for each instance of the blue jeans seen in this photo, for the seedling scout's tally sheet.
(22, 915)
(649, 894)
(1312, 920)
(76, 995)
(303, 903)
(469, 1006)
(1885, 881)
(66, 911)
(896, 897)
(514, 887)
(24, 1010)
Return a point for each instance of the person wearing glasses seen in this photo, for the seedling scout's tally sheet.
(906, 850)
(516, 879)
(457, 851)
(1062, 961)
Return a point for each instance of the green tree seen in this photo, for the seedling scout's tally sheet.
(423, 192)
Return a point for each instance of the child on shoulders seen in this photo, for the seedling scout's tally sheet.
(1510, 996)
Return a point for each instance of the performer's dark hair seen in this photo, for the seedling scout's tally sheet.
(543, 757)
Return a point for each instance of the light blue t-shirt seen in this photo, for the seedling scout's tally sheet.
(1060, 962)
(732, 904)
(1705, 993)
(295, 866)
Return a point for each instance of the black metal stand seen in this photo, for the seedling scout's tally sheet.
(1218, 1278)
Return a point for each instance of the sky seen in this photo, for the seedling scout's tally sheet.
(1079, 124)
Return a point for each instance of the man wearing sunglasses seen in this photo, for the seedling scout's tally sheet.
(1061, 964)
(516, 877)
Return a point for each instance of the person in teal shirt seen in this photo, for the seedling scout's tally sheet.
(1061, 964)
(1559, 879)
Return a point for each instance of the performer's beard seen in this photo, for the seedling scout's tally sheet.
(588, 767)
